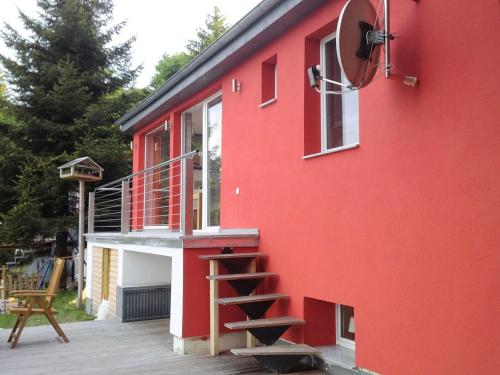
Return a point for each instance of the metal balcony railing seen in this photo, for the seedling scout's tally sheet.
(157, 197)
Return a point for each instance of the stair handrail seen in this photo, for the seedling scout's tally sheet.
(130, 176)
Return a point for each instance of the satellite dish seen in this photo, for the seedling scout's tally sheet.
(359, 41)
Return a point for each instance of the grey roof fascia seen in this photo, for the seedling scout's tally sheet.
(265, 22)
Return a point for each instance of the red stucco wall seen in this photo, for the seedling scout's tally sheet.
(404, 228)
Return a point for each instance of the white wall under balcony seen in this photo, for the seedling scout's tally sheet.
(140, 269)
(147, 265)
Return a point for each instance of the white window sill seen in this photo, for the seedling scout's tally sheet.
(269, 102)
(338, 356)
(332, 151)
(207, 230)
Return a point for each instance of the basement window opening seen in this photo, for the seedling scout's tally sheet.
(346, 336)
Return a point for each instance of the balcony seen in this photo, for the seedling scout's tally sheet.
(156, 198)
(158, 205)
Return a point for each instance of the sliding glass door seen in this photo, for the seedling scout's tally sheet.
(214, 157)
(202, 126)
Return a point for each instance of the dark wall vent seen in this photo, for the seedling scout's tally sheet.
(143, 303)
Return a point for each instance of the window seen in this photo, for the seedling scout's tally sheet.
(214, 158)
(345, 326)
(339, 113)
(156, 202)
(269, 81)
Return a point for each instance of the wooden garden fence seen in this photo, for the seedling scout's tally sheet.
(16, 281)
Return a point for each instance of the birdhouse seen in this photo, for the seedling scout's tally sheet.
(84, 169)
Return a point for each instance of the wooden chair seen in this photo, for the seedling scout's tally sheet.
(37, 302)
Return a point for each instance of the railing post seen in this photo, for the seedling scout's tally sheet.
(125, 216)
(187, 197)
(90, 219)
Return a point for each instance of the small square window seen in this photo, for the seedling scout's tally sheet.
(269, 81)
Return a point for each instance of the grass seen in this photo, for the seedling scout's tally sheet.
(66, 312)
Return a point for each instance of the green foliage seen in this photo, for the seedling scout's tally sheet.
(11, 155)
(5, 108)
(99, 117)
(106, 144)
(66, 312)
(69, 83)
(215, 26)
(169, 64)
(62, 68)
(20, 222)
(41, 207)
(110, 153)
(6, 256)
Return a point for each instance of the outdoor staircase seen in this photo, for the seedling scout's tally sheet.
(244, 279)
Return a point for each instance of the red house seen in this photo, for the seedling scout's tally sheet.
(378, 211)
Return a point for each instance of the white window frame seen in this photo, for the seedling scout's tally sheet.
(350, 108)
(204, 103)
(150, 227)
(342, 341)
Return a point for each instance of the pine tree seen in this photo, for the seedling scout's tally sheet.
(69, 83)
(215, 26)
(65, 65)
(11, 155)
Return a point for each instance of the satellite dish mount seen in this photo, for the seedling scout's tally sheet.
(359, 39)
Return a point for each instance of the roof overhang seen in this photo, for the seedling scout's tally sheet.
(264, 23)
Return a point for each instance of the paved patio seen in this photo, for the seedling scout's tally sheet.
(110, 347)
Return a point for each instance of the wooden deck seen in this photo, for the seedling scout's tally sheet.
(110, 347)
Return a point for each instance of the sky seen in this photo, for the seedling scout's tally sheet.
(160, 26)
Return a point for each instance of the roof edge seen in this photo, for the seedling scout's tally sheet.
(238, 28)
(266, 21)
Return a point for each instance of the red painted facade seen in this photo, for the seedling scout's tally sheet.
(406, 227)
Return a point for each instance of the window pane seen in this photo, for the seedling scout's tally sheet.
(334, 116)
(214, 160)
(156, 181)
(341, 112)
(193, 140)
(347, 326)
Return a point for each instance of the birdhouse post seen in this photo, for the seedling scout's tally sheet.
(81, 169)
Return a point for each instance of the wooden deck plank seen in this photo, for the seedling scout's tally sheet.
(251, 299)
(291, 349)
(268, 322)
(241, 276)
(110, 347)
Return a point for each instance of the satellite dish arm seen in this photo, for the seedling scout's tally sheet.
(315, 79)
(337, 83)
